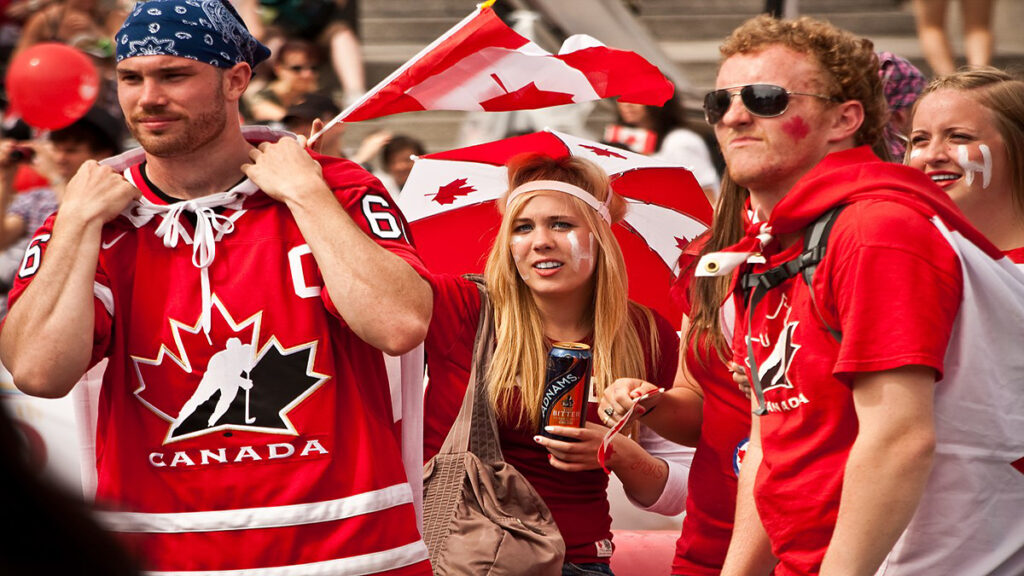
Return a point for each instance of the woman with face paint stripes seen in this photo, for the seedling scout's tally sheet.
(556, 273)
(968, 136)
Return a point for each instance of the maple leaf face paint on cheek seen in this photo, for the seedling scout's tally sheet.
(797, 128)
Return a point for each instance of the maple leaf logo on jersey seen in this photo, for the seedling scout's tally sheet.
(238, 383)
(773, 370)
(449, 192)
(602, 151)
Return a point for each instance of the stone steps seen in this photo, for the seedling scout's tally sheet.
(420, 30)
(408, 9)
(716, 26)
(656, 7)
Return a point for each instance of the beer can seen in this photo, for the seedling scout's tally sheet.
(566, 389)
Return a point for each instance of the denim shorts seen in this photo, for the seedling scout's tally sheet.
(591, 569)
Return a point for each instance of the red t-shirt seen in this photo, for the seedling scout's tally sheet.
(711, 498)
(303, 465)
(578, 500)
(891, 284)
(1016, 255)
(724, 434)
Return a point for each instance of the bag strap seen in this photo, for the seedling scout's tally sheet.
(756, 286)
(476, 429)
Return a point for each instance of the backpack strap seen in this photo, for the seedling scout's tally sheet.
(755, 286)
(815, 241)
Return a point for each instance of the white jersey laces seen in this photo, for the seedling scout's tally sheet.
(210, 229)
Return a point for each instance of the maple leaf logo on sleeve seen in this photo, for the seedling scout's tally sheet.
(448, 193)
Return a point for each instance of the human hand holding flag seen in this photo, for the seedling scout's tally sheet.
(482, 64)
(641, 406)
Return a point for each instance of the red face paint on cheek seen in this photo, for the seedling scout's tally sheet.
(796, 128)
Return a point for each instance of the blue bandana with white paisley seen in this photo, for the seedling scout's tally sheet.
(208, 31)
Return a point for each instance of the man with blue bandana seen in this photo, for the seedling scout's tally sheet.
(235, 259)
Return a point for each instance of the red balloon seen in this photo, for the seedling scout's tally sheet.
(51, 85)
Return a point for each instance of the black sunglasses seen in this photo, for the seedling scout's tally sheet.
(763, 100)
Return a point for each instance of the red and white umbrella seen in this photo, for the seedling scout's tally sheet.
(449, 203)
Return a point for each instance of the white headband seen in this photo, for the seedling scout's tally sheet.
(566, 188)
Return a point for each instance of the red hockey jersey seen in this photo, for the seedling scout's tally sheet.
(242, 425)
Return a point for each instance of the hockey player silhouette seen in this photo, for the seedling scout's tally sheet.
(227, 371)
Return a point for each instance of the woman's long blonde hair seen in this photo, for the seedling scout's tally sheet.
(517, 372)
(708, 294)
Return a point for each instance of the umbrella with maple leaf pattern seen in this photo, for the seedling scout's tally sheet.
(449, 203)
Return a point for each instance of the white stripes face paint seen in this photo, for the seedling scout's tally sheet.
(970, 167)
(578, 252)
(515, 254)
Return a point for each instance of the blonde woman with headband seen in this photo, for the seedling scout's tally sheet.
(556, 273)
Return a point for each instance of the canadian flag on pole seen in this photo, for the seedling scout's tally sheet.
(482, 64)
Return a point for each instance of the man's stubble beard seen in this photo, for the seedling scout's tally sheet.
(200, 131)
